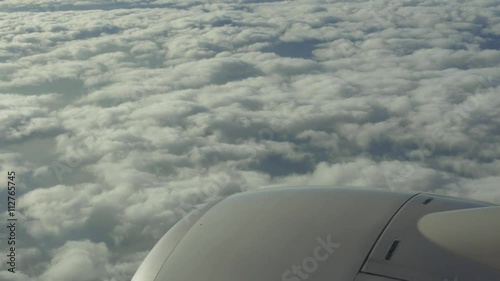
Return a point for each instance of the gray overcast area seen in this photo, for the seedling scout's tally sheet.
(121, 116)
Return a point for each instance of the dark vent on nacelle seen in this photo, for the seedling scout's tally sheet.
(426, 202)
(391, 250)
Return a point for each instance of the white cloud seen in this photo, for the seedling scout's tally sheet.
(79, 261)
(121, 116)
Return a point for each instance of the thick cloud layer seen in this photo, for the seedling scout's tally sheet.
(122, 116)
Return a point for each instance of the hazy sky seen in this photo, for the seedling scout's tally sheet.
(121, 116)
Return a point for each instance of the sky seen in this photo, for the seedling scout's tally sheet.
(120, 117)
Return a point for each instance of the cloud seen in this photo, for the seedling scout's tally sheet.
(78, 260)
(122, 116)
(27, 116)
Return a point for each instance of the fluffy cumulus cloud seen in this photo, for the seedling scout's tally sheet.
(119, 117)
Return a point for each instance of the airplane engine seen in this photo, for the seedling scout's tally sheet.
(330, 234)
